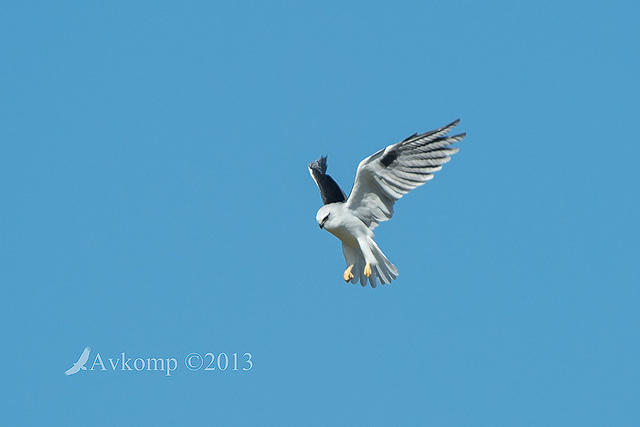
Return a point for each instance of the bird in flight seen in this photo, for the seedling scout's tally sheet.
(381, 179)
(80, 363)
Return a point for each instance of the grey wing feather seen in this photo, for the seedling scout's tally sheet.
(387, 175)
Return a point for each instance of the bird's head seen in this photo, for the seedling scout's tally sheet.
(324, 215)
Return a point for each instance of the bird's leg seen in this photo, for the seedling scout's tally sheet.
(348, 275)
(367, 270)
(365, 247)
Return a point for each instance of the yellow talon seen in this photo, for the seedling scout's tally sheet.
(348, 275)
(367, 270)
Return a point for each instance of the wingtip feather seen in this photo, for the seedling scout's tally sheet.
(320, 165)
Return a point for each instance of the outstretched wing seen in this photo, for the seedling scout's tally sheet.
(72, 370)
(84, 356)
(387, 175)
(330, 191)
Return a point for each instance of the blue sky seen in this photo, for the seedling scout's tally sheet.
(156, 201)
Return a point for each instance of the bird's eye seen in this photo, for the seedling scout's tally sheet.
(326, 218)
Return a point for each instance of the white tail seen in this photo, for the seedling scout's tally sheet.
(381, 267)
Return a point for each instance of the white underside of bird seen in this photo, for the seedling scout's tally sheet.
(361, 253)
(381, 179)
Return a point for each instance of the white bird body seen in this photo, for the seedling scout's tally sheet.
(343, 224)
(381, 179)
(358, 246)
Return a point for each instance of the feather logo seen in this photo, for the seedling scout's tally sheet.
(79, 365)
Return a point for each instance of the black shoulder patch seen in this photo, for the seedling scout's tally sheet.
(388, 158)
